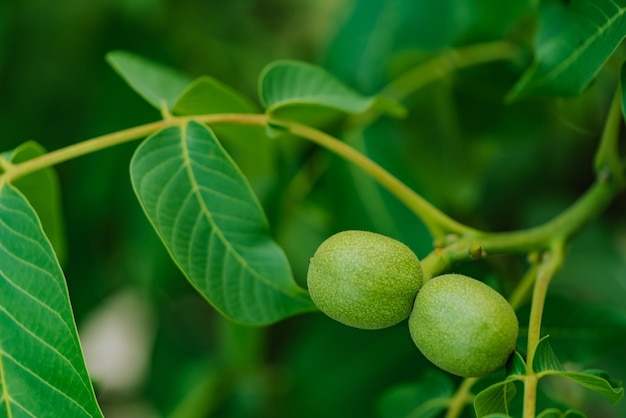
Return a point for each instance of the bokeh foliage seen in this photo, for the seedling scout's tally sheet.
(492, 164)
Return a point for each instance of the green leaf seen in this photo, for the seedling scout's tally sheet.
(154, 82)
(380, 38)
(426, 398)
(248, 145)
(574, 41)
(599, 381)
(207, 95)
(300, 91)
(545, 358)
(556, 413)
(213, 226)
(495, 398)
(41, 188)
(516, 366)
(376, 32)
(595, 380)
(42, 370)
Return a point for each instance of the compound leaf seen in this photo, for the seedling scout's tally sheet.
(212, 224)
(156, 83)
(41, 188)
(574, 41)
(42, 370)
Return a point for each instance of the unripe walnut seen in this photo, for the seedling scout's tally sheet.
(364, 280)
(463, 326)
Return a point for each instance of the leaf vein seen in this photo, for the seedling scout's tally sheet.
(583, 47)
(52, 387)
(46, 344)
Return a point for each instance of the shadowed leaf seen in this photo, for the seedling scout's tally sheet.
(207, 95)
(154, 82)
(41, 188)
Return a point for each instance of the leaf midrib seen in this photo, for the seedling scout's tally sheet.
(583, 47)
(205, 210)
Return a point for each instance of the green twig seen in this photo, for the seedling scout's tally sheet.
(477, 244)
(461, 397)
(524, 287)
(550, 263)
(82, 148)
(597, 197)
(444, 64)
(15, 171)
(437, 222)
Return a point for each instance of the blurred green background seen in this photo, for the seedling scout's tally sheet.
(155, 348)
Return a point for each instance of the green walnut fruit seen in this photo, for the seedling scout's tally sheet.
(364, 280)
(463, 326)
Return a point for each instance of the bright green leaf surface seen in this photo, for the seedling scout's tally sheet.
(284, 83)
(213, 226)
(574, 41)
(42, 371)
(207, 95)
(425, 399)
(154, 82)
(301, 91)
(41, 188)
